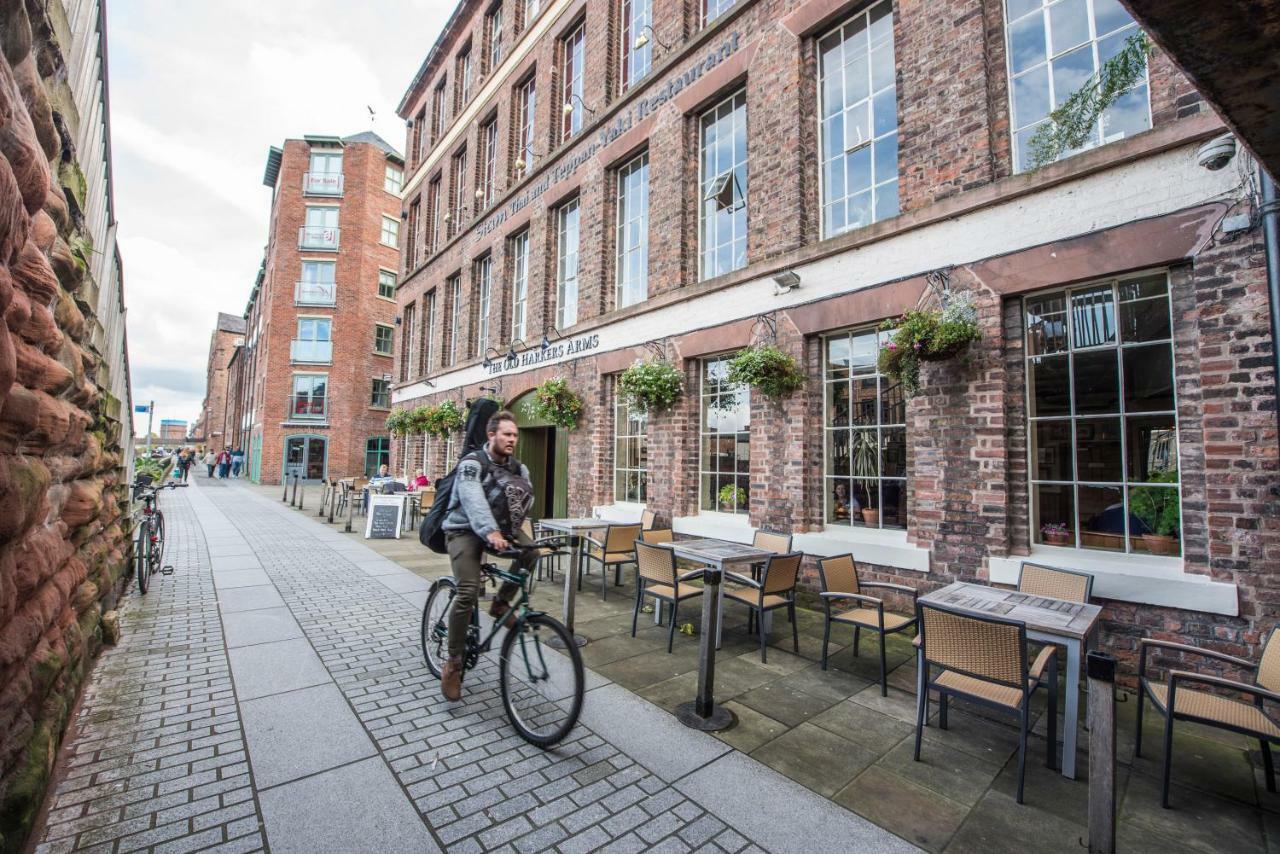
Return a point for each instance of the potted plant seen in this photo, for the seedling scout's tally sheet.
(650, 386)
(1056, 533)
(443, 419)
(418, 418)
(554, 401)
(731, 497)
(866, 465)
(1158, 508)
(398, 423)
(928, 335)
(766, 368)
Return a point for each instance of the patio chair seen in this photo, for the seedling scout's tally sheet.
(768, 540)
(1040, 580)
(775, 589)
(539, 554)
(615, 548)
(657, 535)
(1215, 710)
(647, 519)
(840, 586)
(984, 661)
(656, 576)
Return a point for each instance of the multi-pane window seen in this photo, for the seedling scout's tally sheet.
(519, 283)
(377, 453)
(1103, 434)
(324, 177)
(455, 333)
(459, 191)
(712, 9)
(321, 228)
(1053, 48)
(571, 66)
(630, 451)
(390, 231)
(386, 284)
(567, 264)
(531, 9)
(314, 342)
(417, 138)
(381, 396)
(526, 98)
(637, 59)
(433, 214)
(409, 343)
(428, 334)
(864, 473)
(494, 21)
(724, 429)
(438, 104)
(309, 396)
(489, 149)
(317, 286)
(393, 179)
(412, 254)
(859, 121)
(633, 232)
(464, 77)
(722, 227)
(382, 339)
(484, 289)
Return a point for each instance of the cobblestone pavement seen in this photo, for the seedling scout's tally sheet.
(271, 694)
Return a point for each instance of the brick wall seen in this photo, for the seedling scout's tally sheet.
(217, 431)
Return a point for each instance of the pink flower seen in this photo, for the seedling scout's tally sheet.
(893, 346)
(916, 345)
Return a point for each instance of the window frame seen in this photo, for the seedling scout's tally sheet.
(631, 24)
(434, 188)
(458, 166)
(740, 479)
(483, 276)
(382, 452)
(382, 271)
(378, 396)
(395, 232)
(293, 397)
(390, 338)
(519, 284)
(703, 178)
(493, 29)
(454, 283)
(641, 438)
(573, 63)
(489, 174)
(317, 263)
(621, 253)
(574, 206)
(526, 101)
(393, 179)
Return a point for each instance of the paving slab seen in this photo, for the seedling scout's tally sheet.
(234, 599)
(235, 562)
(357, 807)
(302, 732)
(245, 628)
(403, 582)
(650, 735)
(240, 578)
(272, 668)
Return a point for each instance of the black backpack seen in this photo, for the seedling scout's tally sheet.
(431, 531)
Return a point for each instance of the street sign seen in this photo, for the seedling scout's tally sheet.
(142, 407)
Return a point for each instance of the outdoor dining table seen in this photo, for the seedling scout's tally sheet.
(574, 529)
(1048, 620)
(723, 555)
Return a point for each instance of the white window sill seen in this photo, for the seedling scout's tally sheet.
(1145, 579)
(868, 545)
(735, 527)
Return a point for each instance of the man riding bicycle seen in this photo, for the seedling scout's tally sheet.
(491, 498)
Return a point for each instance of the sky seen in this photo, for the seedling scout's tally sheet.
(199, 92)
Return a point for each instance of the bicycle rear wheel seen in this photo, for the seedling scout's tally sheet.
(159, 555)
(142, 558)
(435, 624)
(541, 687)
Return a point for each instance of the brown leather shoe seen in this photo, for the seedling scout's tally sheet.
(498, 608)
(451, 679)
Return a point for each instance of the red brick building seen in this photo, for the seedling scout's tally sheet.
(593, 182)
(227, 335)
(312, 381)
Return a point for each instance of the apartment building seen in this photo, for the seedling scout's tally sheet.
(228, 335)
(312, 379)
(595, 182)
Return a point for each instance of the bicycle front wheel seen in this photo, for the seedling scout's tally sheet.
(541, 687)
(435, 624)
(159, 552)
(143, 558)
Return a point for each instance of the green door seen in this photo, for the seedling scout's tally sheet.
(544, 449)
(255, 459)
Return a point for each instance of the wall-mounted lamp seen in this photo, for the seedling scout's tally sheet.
(568, 105)
(642, 39)
(480, 195)
(448, 217)
(785, 282)
(404, 214)
(546, 336)
(512, 352)
(398, 318)
(489, 359)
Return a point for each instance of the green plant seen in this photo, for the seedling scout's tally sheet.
(554, 401)
(1158, 506)
(651, 386)
(774, 373)
(866, 463)
(443, 419)
(927, 335)
(734, 496)
(400, 422)
(1070, 125)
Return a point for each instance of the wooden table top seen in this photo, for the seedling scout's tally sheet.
(717, 552)
(1041, 613)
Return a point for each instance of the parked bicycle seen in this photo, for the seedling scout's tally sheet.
(148, 551)
(541, 689)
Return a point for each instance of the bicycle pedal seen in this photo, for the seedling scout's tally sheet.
(166, 570)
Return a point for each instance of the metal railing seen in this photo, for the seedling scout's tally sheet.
(322, 183)
(319, 237)
(313, 352)
(315, 293)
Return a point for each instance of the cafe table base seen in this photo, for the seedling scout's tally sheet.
(720, 719)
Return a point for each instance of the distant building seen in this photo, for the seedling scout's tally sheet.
(312, 382)
(228, 335)
(172, 431)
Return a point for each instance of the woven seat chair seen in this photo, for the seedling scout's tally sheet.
(775, 589)
(615, 548)
(656, 576)
(657, 535)
(984, 660)
(647, 520)
(1040, 580)
(1215, 710)
(842, 588)
(539, 554)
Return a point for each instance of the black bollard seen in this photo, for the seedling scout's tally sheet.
(333, 501)
(302, 496)
(351, 509)
(285, 481)
(702, 712)
(293, 502)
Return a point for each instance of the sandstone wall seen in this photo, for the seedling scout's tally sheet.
(63, 503)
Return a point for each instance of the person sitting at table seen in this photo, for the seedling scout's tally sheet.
(419, 480)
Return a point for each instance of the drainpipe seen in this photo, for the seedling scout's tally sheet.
(1270, 211)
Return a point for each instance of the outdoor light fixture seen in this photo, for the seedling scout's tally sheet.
(519, 164)
(397, 320)
(786, 282)
(404, 214)
(479, 194)
(642, 39)
(546, 337)
(448, 217)
(489, 359)
(568, 105)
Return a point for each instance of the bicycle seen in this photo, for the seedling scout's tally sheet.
(543, 707)
(149, 546)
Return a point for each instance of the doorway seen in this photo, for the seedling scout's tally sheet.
(306, 456)
(544, 449)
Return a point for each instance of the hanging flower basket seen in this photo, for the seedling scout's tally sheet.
(928, 335)
(773, 373)
(418, 418)
(554, 401)
(650, 386)
(443, 419)
(399, 423)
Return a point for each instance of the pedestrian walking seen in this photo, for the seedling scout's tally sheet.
(224, 464)
(210, 461)
(237, 461)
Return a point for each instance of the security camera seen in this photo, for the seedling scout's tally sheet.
(1217, 152)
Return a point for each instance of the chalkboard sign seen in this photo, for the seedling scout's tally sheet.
(386, 513)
